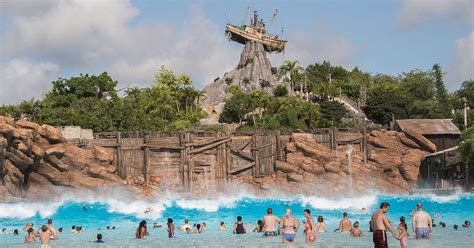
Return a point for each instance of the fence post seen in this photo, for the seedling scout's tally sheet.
(188, 162)
(121, 170)
(146, 160)
(182, 165)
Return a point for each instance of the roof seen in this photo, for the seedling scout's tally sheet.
(429, 126)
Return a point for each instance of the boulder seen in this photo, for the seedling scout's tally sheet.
(6, 130)
(27, 124)
(424, 143)
(294, 177)
(408, 142)
(377, 142)
(302, 136)
(37, 151)
(50, 133)
(55, 150)
(314, 150)
(285, 167)
(332, 166)
(6, 120)
(18, 158)
(313, 168)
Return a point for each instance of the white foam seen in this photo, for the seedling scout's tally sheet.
(355, 203)
(208, 205)
(23, 210)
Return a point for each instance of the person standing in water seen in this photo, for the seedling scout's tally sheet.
(356, 232)
(141, 230)
(170, 228)
(239, 226)
(380, 224)
(289, 227)
(222, 226)
(51, 230)
(45, 237)
(403, 232)
(345, 225)
(30, 237)
(321, 226)
(422, 225)
(309, 227)
(269, 224)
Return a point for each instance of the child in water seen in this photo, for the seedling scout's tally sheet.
(402, 232)
(170, 228)
(356, 232)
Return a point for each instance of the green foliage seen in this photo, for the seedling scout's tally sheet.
(245, 81)
(332, 113)
(264, 83)
(467, 145)
(280, 91)
(387, 100)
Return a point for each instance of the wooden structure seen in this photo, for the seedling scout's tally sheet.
(442, 132)
(190, 161)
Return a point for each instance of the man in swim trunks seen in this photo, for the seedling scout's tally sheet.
(345, 225)
(289, 226)
(45, 237)
(269, 224)
(422, 225)
(380, 223)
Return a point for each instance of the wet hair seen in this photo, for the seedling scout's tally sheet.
(73, 227)
(442, 224)
(78, 228)
(60, 229)
(260, 222)
(269, 210)
(50, 221)
(356, 224)
(99, 236)
(30, 230)
(108, 227)
(142, 224)
(198, 226)
(113, 227)
(320, 218)
(467, 223)
(384, 205)
(402, 219)
(239, 218)
(204, 223)
(455, 227)
(307, 211)
(169, 220)
(186, 221)
(15, 232)
(222, 223)
(344, 214)
(44, 228)
(419, 205)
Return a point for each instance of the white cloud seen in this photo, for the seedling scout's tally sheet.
(94, 36)
(322, 42)
(21, 80)
(416, 12)
(462, 66)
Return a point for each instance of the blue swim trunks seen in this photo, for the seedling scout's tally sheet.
(422, 233)
(289, 236)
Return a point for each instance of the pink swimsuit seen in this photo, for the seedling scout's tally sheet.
(403, 242)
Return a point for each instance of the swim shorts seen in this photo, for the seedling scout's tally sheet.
(422, 233)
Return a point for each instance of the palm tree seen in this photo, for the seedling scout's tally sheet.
(292, 69)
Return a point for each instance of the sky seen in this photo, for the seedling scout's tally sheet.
(42, 40)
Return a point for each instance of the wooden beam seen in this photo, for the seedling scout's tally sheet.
(241, 168)
(146, 160)
(198, 150)
(241, 153)
(159, 147)
(207, 142)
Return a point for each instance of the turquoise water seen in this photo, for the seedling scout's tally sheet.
(125, 215)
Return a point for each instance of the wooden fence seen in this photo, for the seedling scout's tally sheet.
(185, 160)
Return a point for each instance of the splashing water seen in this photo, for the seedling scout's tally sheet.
(349, 165)
(125, 214)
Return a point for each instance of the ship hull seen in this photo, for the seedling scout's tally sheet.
(241, 36)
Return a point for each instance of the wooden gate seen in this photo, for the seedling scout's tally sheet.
(132, 156)
(266, 153)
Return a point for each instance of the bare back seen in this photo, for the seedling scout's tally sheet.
(269, 223)
(45, 238)
(289, 224)
(380, 221)
(421, 219)
(345, 225)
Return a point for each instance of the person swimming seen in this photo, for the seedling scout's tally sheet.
(442, 224)
(289, 226)
(345, 225)
(30, 237)
(170, 228)
(99, 239)
(222, 226)
(259, 227)
(466, 224)
(269, 224)
(356, 232)
(455, 227)
(321, 226)
(185, 226)
(15, 232)
(45, 237)
(239, 226)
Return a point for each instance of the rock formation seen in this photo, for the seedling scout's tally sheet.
(254, 71)
(312, 168)
(38, 161)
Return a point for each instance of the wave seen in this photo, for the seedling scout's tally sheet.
(23, 210)
(354, 203)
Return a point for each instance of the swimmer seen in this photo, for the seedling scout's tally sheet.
(60, 229)
(321, 226)
(466, 224)
(198, 228)
(141, 231)
(99, 239)
(455, 227)
(28, 226)
(380, 224)
(422, 225)
(188, 230)
(45, 236)
(185, 226)
(289, 227)
(73, 229)
(4, 231)
(269, 224)
(15, 232)
(356, 232)
(436, 215)
(403, 232)
(170, 228)
(259, 227)
(222, 226)
(442, 224)
(203, 225)
(309, 227)
(345, 225)
(30, 237)
(113, 227)
(51, 230)
(239, 226)
(148, 210)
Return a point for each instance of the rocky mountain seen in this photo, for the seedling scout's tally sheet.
(254, 71)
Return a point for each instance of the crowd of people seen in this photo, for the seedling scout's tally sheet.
(272, 226)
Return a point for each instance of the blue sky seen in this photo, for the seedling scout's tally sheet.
(42, 40)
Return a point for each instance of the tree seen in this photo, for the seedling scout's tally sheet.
(467, 145)
(280, 91)
(441, 92)
(331, 114)
(290, 71)
(387, 100)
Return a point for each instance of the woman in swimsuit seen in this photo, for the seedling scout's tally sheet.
(321, 226)
(309, 227)
(141, 230)
(289, 227)
(403, 232)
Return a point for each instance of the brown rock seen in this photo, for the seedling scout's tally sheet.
(18, 158)
(302, 137)
(3, 141)
(408, 142)
(101, 172)
(35, 178)
(425, 143)
(57, 163)
(37, 151)
(333, 166)
(6, 120)
(285, 167)
(376, 142)
(314, 150)
(55, 150)
(50, 133)
(27, 124)
(313, 168)
(294, 177)
(20, 133)
(6, 130)
(295, 159)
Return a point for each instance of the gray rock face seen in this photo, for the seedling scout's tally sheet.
(253, 72)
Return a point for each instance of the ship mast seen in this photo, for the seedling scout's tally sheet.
(273, 19)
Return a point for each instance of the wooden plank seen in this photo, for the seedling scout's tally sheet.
(146, 160)
(161, 147)
(241, 168)
(198, 150)
(242, 154)
(207, 142)
(121, 169)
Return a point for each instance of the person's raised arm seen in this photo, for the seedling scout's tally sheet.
(388, 226)
(413, 225)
